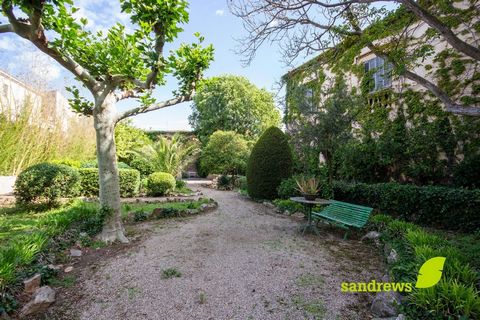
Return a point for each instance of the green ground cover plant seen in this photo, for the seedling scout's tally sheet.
(456, 296)
(25, 235)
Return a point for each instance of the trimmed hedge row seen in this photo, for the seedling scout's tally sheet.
(433, 206)
(129, 182)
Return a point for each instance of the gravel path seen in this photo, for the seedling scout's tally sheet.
(241, 261)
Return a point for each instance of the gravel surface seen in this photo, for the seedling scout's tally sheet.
(241, 261)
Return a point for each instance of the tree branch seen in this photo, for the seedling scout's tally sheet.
(4, 28)
(153, 107)
(450, 105)
(33, 31)
(441, 28)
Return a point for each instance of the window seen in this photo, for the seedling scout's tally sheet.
(380, 73)
(306, 99)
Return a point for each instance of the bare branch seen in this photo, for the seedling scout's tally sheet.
(153, 107)
(4, 28)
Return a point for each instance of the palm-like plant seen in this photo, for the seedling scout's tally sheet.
(170, 154)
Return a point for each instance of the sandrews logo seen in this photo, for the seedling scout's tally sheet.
(429, 275)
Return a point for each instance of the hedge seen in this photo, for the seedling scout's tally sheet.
(432, 206)
(129, 182)
(270, 162)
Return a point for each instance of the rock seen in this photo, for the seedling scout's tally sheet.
(385, 303)
(392, 257)
(75, 253)
(43, 298)
(203, 206)
(32, 284)
(372, 235)
(68, 269)
(387, 248)
(191, 211)
(401, 316)
(268, 204)
(55, 267)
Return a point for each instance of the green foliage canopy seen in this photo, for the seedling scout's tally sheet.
(225, 153)
(232, 103)
(129, 138)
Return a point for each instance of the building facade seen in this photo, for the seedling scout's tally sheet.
(46, 108)
(396, 111)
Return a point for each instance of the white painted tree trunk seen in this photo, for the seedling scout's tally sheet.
(104, 121)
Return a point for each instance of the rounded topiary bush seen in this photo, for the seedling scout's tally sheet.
(46, 183)
(270, 162)
(160, 183)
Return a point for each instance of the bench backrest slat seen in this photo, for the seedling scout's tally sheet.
(348, 213)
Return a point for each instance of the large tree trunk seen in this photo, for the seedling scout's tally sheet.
(104, 121)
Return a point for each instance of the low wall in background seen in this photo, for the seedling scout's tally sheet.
(6, 185)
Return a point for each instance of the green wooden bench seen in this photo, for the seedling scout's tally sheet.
(344, 215)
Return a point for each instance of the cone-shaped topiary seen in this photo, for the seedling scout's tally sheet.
(270, 162)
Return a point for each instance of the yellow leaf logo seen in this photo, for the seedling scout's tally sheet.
(430, 272)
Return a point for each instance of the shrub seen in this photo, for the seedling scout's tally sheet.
(94, 164)
(129, 182)
(241, 183)
(68, 162)
(467, 173)
(291, 206)
(46, 182)
(433, 206)
(225, 153)
(288, 188)
(270, 162)
(224, 182)
(180, 184)
(160, 183)
(144, 166)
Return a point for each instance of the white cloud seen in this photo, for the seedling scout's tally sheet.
(219, 12)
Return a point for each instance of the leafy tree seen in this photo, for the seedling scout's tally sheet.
(329, 128)
(129, 138)
(232, 103)
(225, 153)
(113, 66)
(170, 155)
(304, 27)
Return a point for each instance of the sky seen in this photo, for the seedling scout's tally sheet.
(211, 18)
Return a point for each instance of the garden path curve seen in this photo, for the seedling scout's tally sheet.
(241, 261)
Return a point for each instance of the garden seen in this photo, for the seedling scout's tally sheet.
(303, 212)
